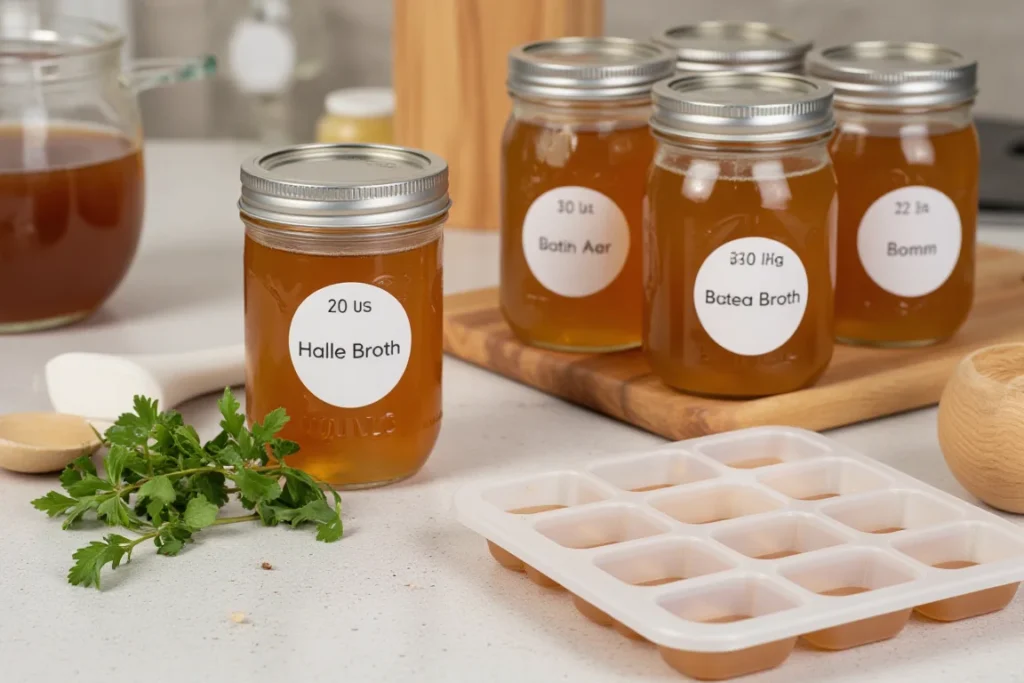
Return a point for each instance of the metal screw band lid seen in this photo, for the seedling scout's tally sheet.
(892, 74)
(733, 46)
(345, 186)
(742, 107)
(587, 68)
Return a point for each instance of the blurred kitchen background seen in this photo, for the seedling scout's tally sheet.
(343, 43)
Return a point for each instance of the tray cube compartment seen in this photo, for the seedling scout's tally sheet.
(823, 479)
(729, 602)
(761, 448)
(715, 503)
(891, 511)
(957, 548)
(778, 536)
(664, 561)
(843, 575)
(653, 471)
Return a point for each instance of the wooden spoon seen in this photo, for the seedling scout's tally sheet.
(44, 442)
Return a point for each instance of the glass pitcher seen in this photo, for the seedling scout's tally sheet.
(71, 171)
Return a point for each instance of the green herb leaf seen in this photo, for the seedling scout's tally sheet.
(255, 487)
(282, 448)
(88, 485)
(114, 463)
(89, 561)
(113, 511)
(332, 530)
(172, 538)
(200, 513)
(233, 422)
(271, 425)
(158, 488)
(54, 504)
(81, 507)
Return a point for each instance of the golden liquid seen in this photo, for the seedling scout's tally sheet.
(845, 590)
(535, 509)
(727, 619)
(652, 487)
(659, 582)
(820, 496)
(754, 463)
(540, 158)
(887, 530)
(688, 221)
(955, 564)
(778, 555)
(379, 443)
(71, 205)
(869, 166)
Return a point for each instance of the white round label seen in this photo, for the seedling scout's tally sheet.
(909, 240)
(575, 240)
(350, 343)
(750, 295)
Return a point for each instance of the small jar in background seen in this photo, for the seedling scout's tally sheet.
(738, 236)
(906, 156)
(575, 155)
(358, 115)
(747, 46)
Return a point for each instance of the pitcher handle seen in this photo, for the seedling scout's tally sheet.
(154, 72)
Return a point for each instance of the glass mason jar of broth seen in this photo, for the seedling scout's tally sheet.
(575, 155)
(71, 173)
(738, 244)
(748, 46)
(343, 304)
(906, 155)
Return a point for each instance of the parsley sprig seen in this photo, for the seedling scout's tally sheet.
(162, 485)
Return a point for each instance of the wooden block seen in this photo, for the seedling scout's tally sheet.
(860, 384)
(450, 64)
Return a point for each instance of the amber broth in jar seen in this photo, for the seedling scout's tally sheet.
(71, 205)
(344, 304)
(906, 156)
(911, 155)
(694, 211)
(738, 237)
(540, 158)
(381, 442)
(575, 155)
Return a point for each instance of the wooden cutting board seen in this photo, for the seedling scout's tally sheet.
(860, 384)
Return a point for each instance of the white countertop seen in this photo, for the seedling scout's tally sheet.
(408, 594)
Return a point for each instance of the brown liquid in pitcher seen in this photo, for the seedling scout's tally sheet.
(540, 158)
(71, 204)
(378, 443)
(689, 219)
(870, 166)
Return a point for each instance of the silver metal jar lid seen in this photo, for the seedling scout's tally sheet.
(742, 107)
(345, 186)
(587, 68)
(733, 46)
(890, 74)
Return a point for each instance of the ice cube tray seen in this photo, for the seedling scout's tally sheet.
(723, 550)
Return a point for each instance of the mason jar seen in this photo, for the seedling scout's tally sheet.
(742, 204)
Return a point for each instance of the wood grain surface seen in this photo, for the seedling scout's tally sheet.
(450, 63)
(860, 384)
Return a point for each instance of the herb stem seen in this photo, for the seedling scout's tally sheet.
(194, 470)
(235, 520)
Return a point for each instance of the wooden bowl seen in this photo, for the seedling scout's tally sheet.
(981, 425)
